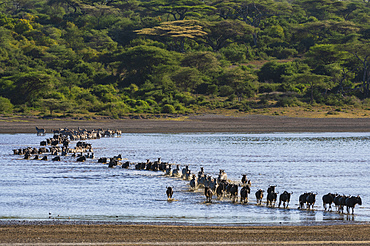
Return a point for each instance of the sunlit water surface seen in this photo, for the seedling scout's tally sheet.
(69, 190)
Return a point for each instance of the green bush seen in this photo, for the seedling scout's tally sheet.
(226, 90)
(281, 52)
(5, 105)
(288, 102)
(267, 87)
(168, 109)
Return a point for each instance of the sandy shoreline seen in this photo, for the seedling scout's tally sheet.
(195, 123)
(118, 234)
(87, 233)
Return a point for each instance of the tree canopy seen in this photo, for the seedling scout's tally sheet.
(66, 57)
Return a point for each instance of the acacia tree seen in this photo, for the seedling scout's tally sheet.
(75, 5)
(177, 32)
(179, 9)
(222, 33)
(311, 81)
(138, 63)
(252, 12)
(361, 52)
(32, 85)
(239, 80)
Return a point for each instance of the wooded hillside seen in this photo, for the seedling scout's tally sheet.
(113, 58)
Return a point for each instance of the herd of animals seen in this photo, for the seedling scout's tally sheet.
(220, 187)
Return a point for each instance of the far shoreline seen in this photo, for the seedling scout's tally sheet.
(190, 124)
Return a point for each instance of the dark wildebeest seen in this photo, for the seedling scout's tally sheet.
(27, 156)
(126, 164)
(176, 172)
(271, 196)
(208, 193)
(201, 172)
(222, 176)
(103, 160)
(285, 198)
(81, 159)
(169, 192)
(341, 203)
(352, 201)
(328, 199)
(244, 179)
(234, 192)
(310, 200)
(148, 165)
(185, 171)
(40, 131)
(244, 194)
(221, 189)
(194, 182)
(259, 196)
(57, 158)
(155, 166)
(302, 200)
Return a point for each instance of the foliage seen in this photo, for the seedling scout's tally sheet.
(116, 58)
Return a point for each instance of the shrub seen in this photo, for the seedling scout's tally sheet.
(288, 102)
(169, 109)
(5, 105)
(225, 91)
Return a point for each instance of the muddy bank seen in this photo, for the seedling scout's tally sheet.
(198, 123)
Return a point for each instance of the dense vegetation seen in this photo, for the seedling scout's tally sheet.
(119, 57)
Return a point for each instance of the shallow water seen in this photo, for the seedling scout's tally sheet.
(68, 190)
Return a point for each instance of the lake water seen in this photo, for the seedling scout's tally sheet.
(296, 162)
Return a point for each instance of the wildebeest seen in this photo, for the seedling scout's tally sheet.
(233, 192)
(185, 171)
(208, 193)
(259, 196)
(222, 176)
(169, 192)
(202, 180)
(27, 156)
(271, 196)
(102, 160)
(328, 199)
(176, 171)
(169, 170)
(302, 200)
(81, 159)
(244, 179)
(352, 201)
(310, 200)
(57, 158)
(340, 202)
(193, 182)
(244, 194)
(148, 165)
(126, 164)
(285, 198)
(212, 183)
(40, 131)
(221, 189)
